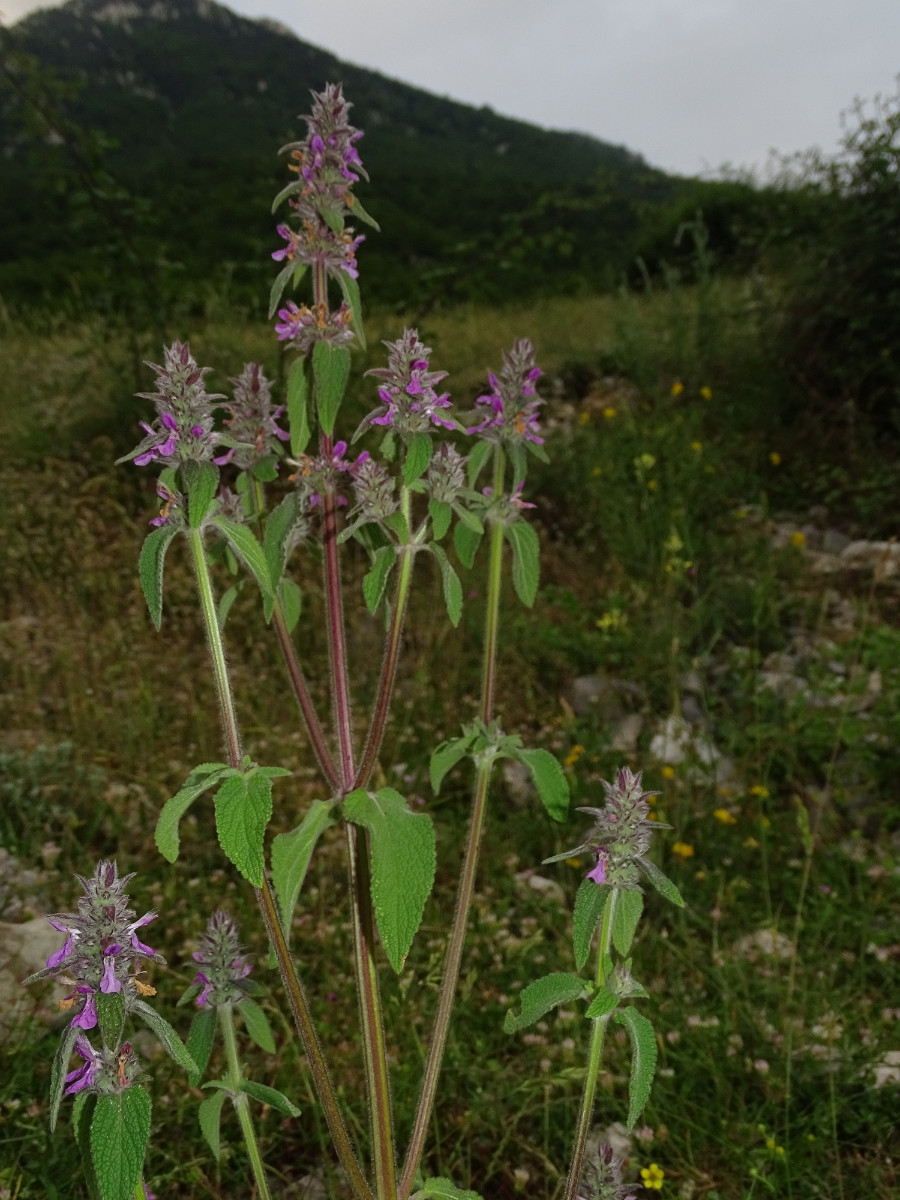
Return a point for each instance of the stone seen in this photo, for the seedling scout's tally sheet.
(626, 733)
(24, 949)
(604, 696)
(834, 541)
(764, 943)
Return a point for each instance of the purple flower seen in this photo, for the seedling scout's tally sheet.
(303, 326)
(598, 873)
(513, 402)
(183, 429)
(87, 1018)
(408, 391)
(252, 420)
(322, 195)
(83, 1077)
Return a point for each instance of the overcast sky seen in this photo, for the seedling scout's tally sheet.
(690, 84)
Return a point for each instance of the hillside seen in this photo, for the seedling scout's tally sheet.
(179, 107)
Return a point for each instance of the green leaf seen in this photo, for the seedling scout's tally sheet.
(166, 1035)
(289, 189)
(110, 1016)
(440, 513)
(466, 541)
(265, 469)
(398, 524)
(225, 602)
(439, 1188)
(590, 901)
(446, 756)
(59, 1070)
(82, 1115)
(331, 370)
(603, 1002)
(542, 996)
(357, 210)
(418, 456)
(243, 810)
(120, 1129)
(350, 289)
(257, 1024)
(279, 523)
(280, 282)
(661, 882)
(150, 569)
(270, 1096)
(291, 854)
(376, 579)
(248, 548)
(201, 481)
(469, 519)
(167, 837)
(478, 456)
(549, 779)
(453, 597)
(626, 914)
(297, 407)
(291, 603)
(333, 216)
(210, 1114)
(643, 1060)
(200, 1041)
(403, 863)
(519, 460)
(526, 571)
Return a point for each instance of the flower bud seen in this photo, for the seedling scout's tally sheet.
(408, 388)
(252, 419)
(183, 430)
(224, 965)
(446, 476)
(512, 403)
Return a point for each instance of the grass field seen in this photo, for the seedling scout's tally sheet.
(682, 559)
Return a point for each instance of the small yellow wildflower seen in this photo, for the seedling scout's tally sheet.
(683, 850)
(723, 815)
(759, 790)
(751, 843)
(613, 619)
(700, 875)
(584, 418)
(798, 539)
(765, 822)
(775, 458)
(696, 446)
(653, 1176)
(677, 388)
(644, 462)
(597, 471)
(609, 412)
(706, 393)
(652, 485)
(668, 772)
(573, 756)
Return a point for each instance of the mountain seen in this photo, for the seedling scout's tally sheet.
(156, 155)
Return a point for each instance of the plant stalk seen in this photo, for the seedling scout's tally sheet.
(265, 897)
(470, 861)
(296, 677)
(391, 655)
(596, 1047)
(240, 1101)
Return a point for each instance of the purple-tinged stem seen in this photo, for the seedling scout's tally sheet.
(391, 656)
(298, 681)
(362, 915)
(264, 894)
(470, 862)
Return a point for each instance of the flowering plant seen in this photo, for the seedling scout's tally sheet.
(400, 501)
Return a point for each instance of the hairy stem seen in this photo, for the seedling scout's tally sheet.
(470, 862)
(240, 1101)
(391, 655)
(596, 1046)
(362, 916)
(264, 895)
(296, 677)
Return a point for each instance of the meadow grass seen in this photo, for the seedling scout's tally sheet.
(658, 561)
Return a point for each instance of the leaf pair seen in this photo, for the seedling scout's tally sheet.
(546, 773)
(243, 806)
